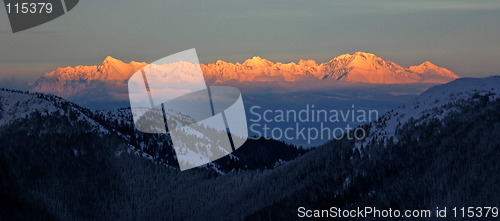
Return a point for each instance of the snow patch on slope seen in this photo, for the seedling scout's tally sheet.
(436, 103)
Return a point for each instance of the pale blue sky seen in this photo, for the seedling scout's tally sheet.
(460, 35)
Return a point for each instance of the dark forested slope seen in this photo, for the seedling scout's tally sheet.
(60, 167)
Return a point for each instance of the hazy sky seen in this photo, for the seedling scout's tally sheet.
(463, 36)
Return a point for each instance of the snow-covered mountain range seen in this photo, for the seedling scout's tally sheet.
(112, 74)
(358, 67)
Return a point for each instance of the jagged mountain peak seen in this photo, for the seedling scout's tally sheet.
(432, 71)
(257, 61)
(428, 63)
(364, 55)
(356, 55)
(368, 68)
(111, 60)
(308, 63)
(220, 62)
(363, 60)
(360, 53)
(112, 69)
(424, 66)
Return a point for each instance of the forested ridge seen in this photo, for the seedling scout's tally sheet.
(54, 167)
